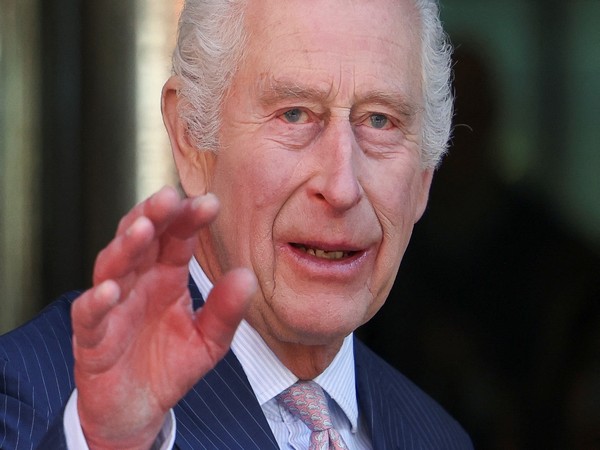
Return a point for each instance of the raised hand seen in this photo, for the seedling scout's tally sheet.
(138, 345)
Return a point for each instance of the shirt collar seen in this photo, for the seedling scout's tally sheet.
(268, 376)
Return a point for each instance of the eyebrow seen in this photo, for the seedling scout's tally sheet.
(273, 90)
(396, 102)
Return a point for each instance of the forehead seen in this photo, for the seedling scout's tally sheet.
(337, 44)
(396, 14)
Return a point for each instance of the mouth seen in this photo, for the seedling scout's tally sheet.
(335, 255)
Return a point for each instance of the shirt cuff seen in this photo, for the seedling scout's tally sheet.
(76, 440)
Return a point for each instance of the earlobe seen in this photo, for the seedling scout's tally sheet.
(193, 164)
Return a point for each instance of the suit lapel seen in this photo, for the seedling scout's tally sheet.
(377, 405)
(221, 411)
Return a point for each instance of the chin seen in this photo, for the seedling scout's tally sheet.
(318, 330)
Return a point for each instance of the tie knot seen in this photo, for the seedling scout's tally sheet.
(306, 401)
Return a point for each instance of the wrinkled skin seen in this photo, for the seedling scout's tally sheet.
(127, 326)
(320, 182)
(320, 150)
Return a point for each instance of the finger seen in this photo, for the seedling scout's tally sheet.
(159, 208)
(225, 307)
(178, 240)
(195, 214)
(125, 252)
(89, 311)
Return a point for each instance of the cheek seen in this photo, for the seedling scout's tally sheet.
(253, 185)
(396, 207)
(270, 178)
(395, 197)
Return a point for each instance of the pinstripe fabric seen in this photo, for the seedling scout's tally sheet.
(268, 377)
(220, 412)
(398, 413)
(36, 376)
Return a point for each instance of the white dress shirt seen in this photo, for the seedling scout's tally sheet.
(268, 377)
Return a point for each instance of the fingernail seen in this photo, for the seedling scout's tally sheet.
(208, 200)
(162, 191)
(136, 224)
(108, 290)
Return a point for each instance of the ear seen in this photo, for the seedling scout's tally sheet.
(194, 165)
(423, 195)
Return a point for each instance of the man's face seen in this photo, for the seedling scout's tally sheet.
(319, 173)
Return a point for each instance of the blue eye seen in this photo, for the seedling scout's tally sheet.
(293, 115)
(378, 121)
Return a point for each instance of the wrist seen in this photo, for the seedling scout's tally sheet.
(108, 433)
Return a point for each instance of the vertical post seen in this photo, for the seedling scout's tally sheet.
(108, 120)
(19, 161)
(155, 37)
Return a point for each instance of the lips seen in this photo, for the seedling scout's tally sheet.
(324, 254)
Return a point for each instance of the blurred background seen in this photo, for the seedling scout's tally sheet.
(496, 310)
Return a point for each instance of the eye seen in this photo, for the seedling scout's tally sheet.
(295, 115)
(379, 121)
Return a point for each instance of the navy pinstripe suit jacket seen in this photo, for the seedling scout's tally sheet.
(220, 412)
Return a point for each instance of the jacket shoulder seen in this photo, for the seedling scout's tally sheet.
(395, 402)
(39, 338)
(36, 374)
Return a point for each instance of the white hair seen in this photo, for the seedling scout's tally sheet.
(210, 47)
(436, 72)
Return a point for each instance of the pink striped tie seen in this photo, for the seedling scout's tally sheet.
(306, 401)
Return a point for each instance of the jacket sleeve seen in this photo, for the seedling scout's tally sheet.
(36, 379)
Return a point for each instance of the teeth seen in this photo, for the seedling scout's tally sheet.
(324, 254)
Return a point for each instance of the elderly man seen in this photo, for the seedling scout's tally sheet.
(305, 135)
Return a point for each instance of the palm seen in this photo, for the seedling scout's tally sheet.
(139, 346)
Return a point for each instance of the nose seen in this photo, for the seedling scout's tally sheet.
(336, 178)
